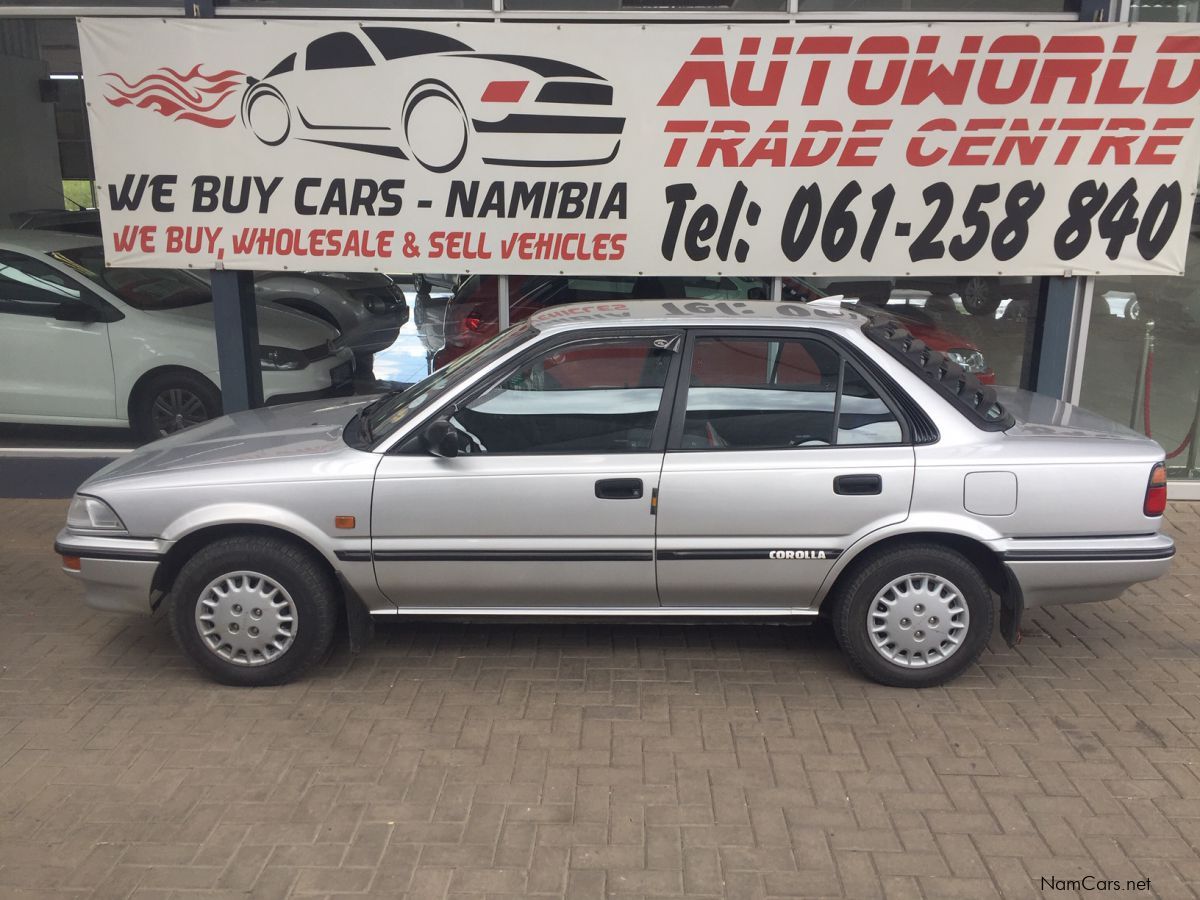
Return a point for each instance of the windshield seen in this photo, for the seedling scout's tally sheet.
(390, 411)
(145, 289)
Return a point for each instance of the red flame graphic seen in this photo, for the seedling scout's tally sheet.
(193, 96)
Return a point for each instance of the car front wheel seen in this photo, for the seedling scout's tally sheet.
(916, 615)
(172, 401)
(436, 126)
(253, 610)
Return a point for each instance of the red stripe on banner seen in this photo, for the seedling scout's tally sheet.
(822, 46)
(1179, 43)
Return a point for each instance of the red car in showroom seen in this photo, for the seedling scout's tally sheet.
(472, 314)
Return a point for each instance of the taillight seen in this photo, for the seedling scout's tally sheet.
(1156, 491)
(504, 91)
(473, 322)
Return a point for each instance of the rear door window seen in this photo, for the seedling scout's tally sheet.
(768, 393)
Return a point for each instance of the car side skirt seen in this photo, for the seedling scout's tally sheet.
(640, 612)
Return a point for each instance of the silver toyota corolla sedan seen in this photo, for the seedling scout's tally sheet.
(641, 459)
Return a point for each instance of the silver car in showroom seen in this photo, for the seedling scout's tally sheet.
(743, 459)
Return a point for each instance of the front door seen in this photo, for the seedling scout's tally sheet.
(549, 503)
(783, 453)
(50, 367)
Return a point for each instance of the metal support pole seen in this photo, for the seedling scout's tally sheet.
(502, 301)
(235, 312)
(235, 318)
(1139, 380)
(1054, 339)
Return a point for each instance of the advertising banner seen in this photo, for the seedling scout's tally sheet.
(657, 149)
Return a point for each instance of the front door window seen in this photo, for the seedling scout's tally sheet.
(592, 396)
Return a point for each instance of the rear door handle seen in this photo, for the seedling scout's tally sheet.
(858, 484)
(619, 489)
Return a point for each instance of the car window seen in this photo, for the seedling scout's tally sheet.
(593, 396)
(775, 393)
(395, 43)
(340, 50)
(32, 288)
(150, 290)
(392, 410)
(285, 65)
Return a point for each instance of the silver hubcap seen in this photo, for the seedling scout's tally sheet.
(246, 618)
(175, 409)
(918, 621)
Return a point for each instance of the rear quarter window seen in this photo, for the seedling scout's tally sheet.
(977, 401)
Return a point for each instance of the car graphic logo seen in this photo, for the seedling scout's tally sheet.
(352, 90)
(193, 97)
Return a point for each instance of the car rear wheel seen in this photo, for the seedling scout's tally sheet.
(253, 611)
(916, 615)
(171, 401)
(435, 126)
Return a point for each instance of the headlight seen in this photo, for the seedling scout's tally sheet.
(377, 302)
(275, 358)
(93, 514)
(969, 358)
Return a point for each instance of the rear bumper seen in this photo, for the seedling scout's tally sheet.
(1054, 571)
(117, 573)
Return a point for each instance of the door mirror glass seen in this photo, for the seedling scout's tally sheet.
(441, 439)
(76, 311)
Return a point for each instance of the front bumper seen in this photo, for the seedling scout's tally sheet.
(1052, 571)
(117, 572)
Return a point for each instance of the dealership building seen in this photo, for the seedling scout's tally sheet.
(1097, 303)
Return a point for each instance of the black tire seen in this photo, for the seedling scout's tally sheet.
(200, 394)
(870, 576)
(978, 296)
(271, 94)
(306, 583)
(425, 92)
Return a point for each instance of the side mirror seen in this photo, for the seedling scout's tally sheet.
(441, 439)
(76, 311)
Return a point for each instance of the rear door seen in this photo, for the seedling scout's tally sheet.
(782, 451)
(550, 504)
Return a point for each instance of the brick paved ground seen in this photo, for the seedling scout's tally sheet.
(585, 761)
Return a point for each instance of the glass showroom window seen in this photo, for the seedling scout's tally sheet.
(471, 315)
(1140, 365)
(985, 324)
(833, 6)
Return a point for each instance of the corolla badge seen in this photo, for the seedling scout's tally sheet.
(451, 103)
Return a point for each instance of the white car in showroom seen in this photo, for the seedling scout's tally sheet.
(82, 344)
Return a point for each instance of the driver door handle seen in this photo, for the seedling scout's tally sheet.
(619, 489)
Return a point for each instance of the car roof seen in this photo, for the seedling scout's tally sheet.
(691, 312)
(35, 240)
